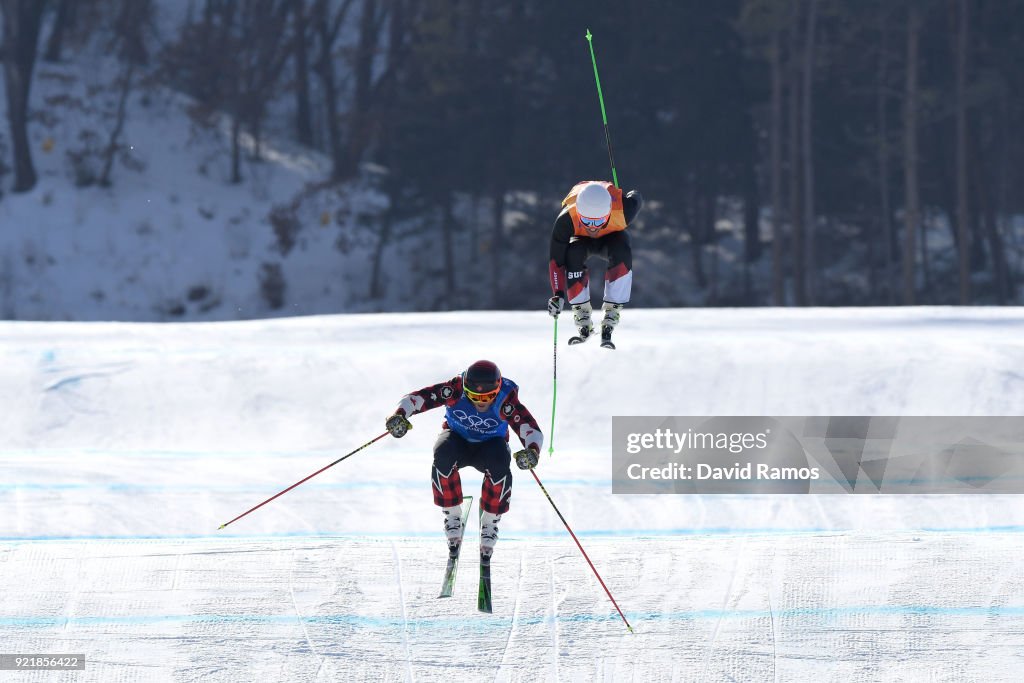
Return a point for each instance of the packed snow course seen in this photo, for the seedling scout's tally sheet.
(125, 446)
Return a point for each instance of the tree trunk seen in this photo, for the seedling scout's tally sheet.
(778, 252)
(376, 288)
(65, 11)
(985, 191)
(797, 240)
(960, 98)
(22, 21)
(497, 246)
(694, 218)
(360, 121)
(926, 273)
(112, 145)
(1002, 193)
(327, 29)
(326, 73)
(256, 128)
(910, 155)
(236, 154)
(808, 153)
(885, 204)
(448, 248)
(751, 225)
(303, 111)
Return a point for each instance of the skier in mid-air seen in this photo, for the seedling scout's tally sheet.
(480, 405)
(593, 221)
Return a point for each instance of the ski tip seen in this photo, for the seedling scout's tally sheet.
(221, 527)
(589, 36)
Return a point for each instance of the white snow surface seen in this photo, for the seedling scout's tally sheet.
(125, 446)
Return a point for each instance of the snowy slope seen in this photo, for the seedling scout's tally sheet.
(125, 445)
(171, 238)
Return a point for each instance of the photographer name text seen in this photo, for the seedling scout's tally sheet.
(739, 472)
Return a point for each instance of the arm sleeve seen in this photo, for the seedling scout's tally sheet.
(522, 422)
(428, 398)
(631, 205)
(561, 234)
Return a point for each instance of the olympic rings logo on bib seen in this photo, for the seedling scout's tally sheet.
(475, 422)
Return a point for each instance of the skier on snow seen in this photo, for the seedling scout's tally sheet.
(480, 405)
(593, 221)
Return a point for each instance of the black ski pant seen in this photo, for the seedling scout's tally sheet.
(492, 457)
(618, 278)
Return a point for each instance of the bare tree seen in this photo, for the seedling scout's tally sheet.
(960, 99)
(912, 211)
(392, 186)
(885, 203)
(765, 21)
(360, 129)
(63, 19)
(778, 266)
(134, 16)
(327, 26)
(807, 122)
(797, 238)
(22, 21)
(300, 54)
(265, 49)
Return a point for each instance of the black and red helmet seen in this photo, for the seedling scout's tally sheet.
(481, 381)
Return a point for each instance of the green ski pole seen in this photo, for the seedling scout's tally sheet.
(554, 395)
(604, 115)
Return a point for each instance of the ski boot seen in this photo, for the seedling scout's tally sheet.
(581, 316)
(453, 529)
(611, 319)
(488, 535)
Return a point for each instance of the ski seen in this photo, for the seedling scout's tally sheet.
(606, 338)
(483, 599)
(448, 585)
(584, 335)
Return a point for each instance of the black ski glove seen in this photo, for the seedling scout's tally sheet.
(555, 304)
(526, 459)
(398, 425)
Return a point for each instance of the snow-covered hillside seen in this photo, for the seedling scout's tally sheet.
(171, 238)
(125, 446)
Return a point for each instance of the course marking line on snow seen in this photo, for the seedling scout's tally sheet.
(554, 619)
(502, 622)
(740, 557)
(512, 627)
(514, 536)
(248, 488)
(405, 617)
(298, 615)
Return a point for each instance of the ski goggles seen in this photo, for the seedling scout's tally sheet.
(593, 222)
(484, 397)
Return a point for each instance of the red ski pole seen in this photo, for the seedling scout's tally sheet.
(306, 479)
(608, 592)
